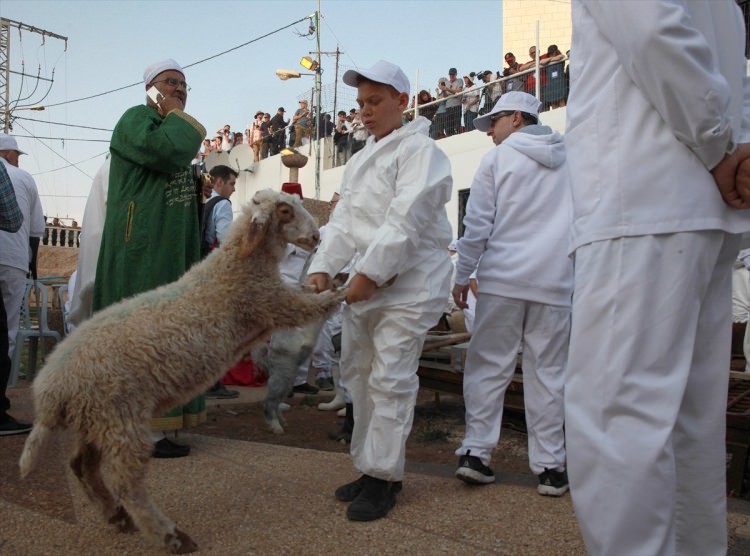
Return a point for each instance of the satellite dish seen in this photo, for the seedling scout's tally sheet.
(218, 158)
(242, 158)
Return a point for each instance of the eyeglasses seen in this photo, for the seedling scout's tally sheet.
(172, 82)
(499, 115)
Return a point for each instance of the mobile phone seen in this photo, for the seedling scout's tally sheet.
(154, 94)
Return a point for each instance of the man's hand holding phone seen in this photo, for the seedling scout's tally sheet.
(163, 103)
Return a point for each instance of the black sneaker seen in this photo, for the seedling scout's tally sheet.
(221, 392)
(12, 426)
(552, 482)
(166, 449)
(471, 470)
(374, 501)
(305, 388)
(349, 491)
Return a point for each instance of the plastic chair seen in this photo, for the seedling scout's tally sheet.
(33, 329)
(62, 297)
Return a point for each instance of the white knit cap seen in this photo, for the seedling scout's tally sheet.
(382, 72)
(150, 73)
(8, 143)
(509, 102)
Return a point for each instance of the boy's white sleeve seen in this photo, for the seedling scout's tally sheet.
(337, 246)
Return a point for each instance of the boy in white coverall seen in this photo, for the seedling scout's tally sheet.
(391, 212)
(658, 123)
(516, 235)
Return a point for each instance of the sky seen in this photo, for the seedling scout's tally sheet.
(111, 42)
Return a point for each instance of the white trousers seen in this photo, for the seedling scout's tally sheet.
(501, 325)
(323, 353)
(379, 358)
(13, 285)
(646, 393)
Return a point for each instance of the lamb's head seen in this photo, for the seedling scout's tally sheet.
(280, 214)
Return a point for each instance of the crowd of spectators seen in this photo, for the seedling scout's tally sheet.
(57, 234)
(452, 109)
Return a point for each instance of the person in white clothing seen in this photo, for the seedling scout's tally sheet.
(16, 248)
(658, 123)
(516, 230)
(391, 213)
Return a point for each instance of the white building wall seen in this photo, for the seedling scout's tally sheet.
(519, 26)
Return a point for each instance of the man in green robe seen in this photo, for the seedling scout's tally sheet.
(151, 231)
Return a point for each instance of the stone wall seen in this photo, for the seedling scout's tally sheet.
(519, 26)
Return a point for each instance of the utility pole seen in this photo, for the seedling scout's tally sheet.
(318, 86)
(5, 25)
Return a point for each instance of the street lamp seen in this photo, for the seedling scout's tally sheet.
(312, 65)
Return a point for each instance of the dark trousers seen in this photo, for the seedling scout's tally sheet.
(4, 363)
(452, 120)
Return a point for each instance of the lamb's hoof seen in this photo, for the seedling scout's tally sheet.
(275, 427)
(123, 521)
(180, 543)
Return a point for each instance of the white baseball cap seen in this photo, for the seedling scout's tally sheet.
(510, 102)
(382, 72)
(8, 143)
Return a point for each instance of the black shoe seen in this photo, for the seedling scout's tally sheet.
(552, 482)
(325, 384)
(10, 426)
(219, 391)
(375, 501)
(165, 448)
(305, 388)
(471, 470)
(349, 491)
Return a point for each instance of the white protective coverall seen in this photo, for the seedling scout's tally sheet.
(658, 96)
(516, 230)
(82, 295)
(392, 212)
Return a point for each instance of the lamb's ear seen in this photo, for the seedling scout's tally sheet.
(284, 212)
(256, 233)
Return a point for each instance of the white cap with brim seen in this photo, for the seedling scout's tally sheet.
(150, 73)
(382, 72)
(509, 102)
(8, 143)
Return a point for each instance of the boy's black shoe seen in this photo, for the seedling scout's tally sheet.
(349, 491)
(375, 501)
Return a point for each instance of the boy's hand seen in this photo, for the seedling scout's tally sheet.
(460, 295)
(361, 288)
(319, 281)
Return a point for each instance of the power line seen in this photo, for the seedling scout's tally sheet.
(60, 138)
(53, 150)
(60, 123)
(69, 165)
(188, 66)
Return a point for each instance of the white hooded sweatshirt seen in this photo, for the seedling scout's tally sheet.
(518, 220)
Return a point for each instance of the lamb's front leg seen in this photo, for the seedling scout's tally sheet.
(301, 308)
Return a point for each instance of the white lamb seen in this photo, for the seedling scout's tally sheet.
(146, 354)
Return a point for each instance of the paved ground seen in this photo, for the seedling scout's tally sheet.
(238, 498)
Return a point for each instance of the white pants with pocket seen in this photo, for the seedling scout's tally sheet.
(646, 393)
